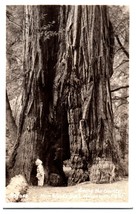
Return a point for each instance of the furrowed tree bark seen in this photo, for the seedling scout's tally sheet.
(67, 112)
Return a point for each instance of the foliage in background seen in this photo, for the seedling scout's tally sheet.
(119, 16)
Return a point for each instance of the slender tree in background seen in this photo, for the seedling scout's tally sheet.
(67, 110)
(10, 120)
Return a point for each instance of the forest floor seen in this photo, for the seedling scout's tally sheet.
(83, 192)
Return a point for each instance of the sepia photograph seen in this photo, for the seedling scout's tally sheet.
(67, 104)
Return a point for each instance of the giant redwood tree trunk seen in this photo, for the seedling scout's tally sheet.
(83, 73)
(38, 133)
(67, 112)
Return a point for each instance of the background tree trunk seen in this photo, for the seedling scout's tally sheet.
(67, 112)
(10, 120)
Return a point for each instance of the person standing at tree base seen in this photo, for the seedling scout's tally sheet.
(40, 172)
